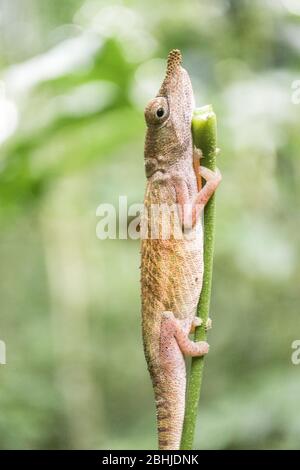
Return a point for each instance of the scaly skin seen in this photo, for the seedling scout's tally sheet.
(172, 267)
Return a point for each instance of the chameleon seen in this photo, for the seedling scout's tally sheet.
(172, 267)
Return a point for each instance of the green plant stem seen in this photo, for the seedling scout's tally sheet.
(204, 135)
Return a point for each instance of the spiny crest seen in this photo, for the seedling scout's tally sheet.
(174, 60)
(173, 68)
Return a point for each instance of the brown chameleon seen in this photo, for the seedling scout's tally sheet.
(172, 266)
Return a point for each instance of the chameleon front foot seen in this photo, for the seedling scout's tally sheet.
(191, 209)
(171, 329)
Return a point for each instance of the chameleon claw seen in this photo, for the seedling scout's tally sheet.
(197, 321)
(197, 153)
(208, 324)
(203, 348)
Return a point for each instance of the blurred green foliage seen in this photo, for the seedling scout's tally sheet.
(75, 76)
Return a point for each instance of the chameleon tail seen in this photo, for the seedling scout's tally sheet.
(169, 390)
(165, 345)
(169, 385)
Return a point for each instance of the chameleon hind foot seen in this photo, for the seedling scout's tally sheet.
(208, 324)
(171, 329)
(197, 321)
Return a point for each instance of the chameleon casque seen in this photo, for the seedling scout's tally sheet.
(172, 267)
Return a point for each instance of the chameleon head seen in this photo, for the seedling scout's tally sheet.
(168, 117)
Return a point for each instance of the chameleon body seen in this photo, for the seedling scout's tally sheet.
(172, 267)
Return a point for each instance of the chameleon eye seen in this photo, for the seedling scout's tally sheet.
(157, 111)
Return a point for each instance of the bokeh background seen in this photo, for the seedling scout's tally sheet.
(75, 77)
